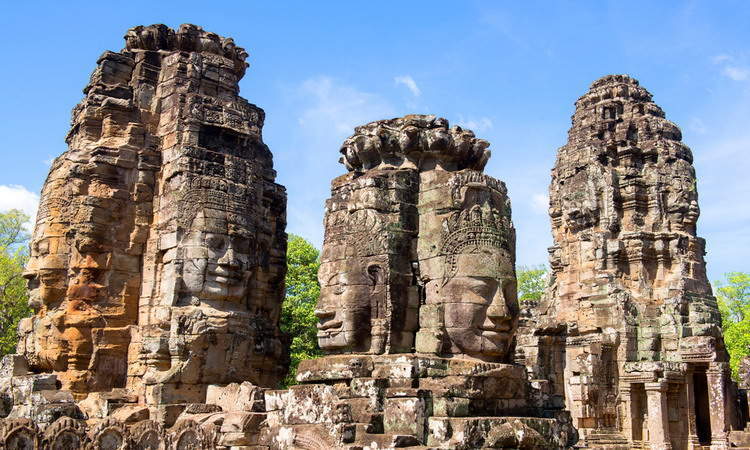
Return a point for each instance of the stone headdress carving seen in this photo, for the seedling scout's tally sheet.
(482, 220)
(188, 38)
(409, 141)
(216, 194)
(361, 230)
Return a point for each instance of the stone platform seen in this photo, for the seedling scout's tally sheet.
(407, 400)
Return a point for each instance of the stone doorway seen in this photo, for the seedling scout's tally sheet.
(702, 408)
(638, 398)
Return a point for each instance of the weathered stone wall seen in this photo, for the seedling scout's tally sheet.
(416, 222)
(158, 261)
(418, 308)
(628, 302)
(158, 257)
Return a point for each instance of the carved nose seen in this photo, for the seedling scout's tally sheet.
(32, 280)
(229, 258)
(498, 309)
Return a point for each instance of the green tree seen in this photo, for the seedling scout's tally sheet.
(733, 295)
(298, 310)
(13, 295)
(531, 282)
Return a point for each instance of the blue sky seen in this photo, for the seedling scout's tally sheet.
(511, 71)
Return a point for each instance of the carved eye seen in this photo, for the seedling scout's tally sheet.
(481, 290)
(339, 289)
(216, 242)
(484, 288)
(49, 278)
(41, 246)
(241, 245)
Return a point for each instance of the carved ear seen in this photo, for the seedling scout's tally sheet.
(375, 274)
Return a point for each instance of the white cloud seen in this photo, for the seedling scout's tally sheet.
(721, 58)
(335, 109)
(736, 73)
(48, 162)
(540, 203)
(477, 125)
(18, 197)
(697, 126)
(409, 82)
(732, 68)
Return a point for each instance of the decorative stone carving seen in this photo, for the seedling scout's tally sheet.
(413, 214)
(418, 307)
(83, 273)
(148, 435)
(157, 260)
(467, 265)
(413, 142)
(187, 435)
(628, 302)
(368, 300)
(218, 240)
(19, 434)
(65, 434)
(109, 435)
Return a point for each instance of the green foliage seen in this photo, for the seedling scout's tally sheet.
(13, 295)
(733, 295)
(531, 282)
(298, 311)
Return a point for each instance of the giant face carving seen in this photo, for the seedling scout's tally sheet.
(46, 276)
(217, 262)
(217, 257)
(47, 270)
(352, 294)
(480, 304)
(474, 281)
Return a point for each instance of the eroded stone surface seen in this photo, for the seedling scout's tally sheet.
(417, 222)
(158, 258)
(627, 335)
(418, 308)
(158, 255)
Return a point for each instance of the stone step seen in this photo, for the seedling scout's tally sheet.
(388, 440)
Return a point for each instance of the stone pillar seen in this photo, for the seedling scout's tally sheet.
(658, 422)
(629, 411)
(716, 376)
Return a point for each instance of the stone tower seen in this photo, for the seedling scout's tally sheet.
(158, 256)
(627, 336)
(418, 310)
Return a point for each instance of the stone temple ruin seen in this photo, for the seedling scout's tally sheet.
(157, 276)
(628, 335)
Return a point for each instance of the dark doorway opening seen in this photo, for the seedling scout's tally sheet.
(744, 417)
(639, 409)
(702, 408)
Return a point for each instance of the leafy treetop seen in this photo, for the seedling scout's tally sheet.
(13, 295)
(298, 310)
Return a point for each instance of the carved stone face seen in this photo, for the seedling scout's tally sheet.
(46, 271)
(480, 305)
(217, 261)
(83, 296)
(348, 291)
